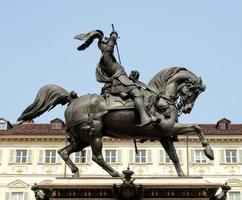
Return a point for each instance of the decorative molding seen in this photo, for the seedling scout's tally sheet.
(18, 184)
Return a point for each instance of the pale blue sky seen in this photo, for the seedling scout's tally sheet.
(37, 48)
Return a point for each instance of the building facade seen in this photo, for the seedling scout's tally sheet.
(28, 155)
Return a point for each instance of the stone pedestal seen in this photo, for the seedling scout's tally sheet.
(150, 188)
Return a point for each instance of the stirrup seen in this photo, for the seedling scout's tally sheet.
(152, 120)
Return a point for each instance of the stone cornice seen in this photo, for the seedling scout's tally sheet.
(62, 138)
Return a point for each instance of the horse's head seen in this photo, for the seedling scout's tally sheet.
(177, 83)
(188, 93)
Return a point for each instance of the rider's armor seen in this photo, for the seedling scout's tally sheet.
(116, 80)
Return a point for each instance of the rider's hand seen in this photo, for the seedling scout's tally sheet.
(114, 33)
(134, 75)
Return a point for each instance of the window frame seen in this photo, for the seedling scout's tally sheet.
(13, 157)
(19, 159)
(42, 157)
(233, 192)
(193, 157)
(78, 158)
(50, 157)
(133, 155)
(223, 156)
(164, 158)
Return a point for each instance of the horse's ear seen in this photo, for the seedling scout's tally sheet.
(202, 88)
(200, 80)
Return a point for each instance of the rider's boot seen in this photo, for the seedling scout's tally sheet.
(145, 119)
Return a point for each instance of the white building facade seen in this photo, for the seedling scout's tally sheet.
(28, 155)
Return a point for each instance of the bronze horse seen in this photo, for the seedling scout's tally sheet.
(90, 117)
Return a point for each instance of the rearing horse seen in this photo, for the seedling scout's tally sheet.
(89, 118)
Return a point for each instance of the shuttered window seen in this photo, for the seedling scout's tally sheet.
(83, 157)
(231, 156)
(143, 156)
(234, 196)
(20, 156)
(112, 156)
(164, 158)
(49, 156)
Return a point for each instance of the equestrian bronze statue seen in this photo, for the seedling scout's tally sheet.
(126, 107)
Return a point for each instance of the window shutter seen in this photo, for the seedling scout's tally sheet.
(179, 152)
(0, 157)
(131, 156)
(7, 195)
(58, 158)
(192, 156)
(29, 158)
(222, 159)
(119, 156)
(149, 156)
(162, 156)
(88, 156)
(41, 156)
(240, 156)
(12, 158)
(26, 195)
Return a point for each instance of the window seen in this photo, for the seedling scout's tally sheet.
(143, 156)
(234, 196)
(20, 156)
(231, 156)
(83, 156)
(112, 156)
(200, 156)
(1, 156)
(50, 156)
(164, 158)
(80, 157)
(17, 196)
(56, 126)
(3, 126)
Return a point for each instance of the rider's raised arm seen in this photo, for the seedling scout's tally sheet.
(108, 57)
(112, 41)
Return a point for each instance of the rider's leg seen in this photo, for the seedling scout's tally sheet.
(145, 119)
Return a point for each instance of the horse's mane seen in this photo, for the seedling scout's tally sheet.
(158, 82)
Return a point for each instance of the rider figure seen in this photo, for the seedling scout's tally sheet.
(111, 72)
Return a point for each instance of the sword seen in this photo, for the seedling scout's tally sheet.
(117, 47)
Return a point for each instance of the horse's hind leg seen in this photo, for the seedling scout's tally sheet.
(97, 156)
(69, 149)
(169, 147)
(94, 138)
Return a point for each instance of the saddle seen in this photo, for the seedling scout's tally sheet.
(118, 103)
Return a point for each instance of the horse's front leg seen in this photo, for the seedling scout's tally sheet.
(181, 129)
(169, 147)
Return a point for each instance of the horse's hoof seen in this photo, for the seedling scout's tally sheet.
(209, 152)
(76, 175)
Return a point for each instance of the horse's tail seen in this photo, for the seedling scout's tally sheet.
(47, 98)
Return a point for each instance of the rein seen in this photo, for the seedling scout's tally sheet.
(157, 94)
